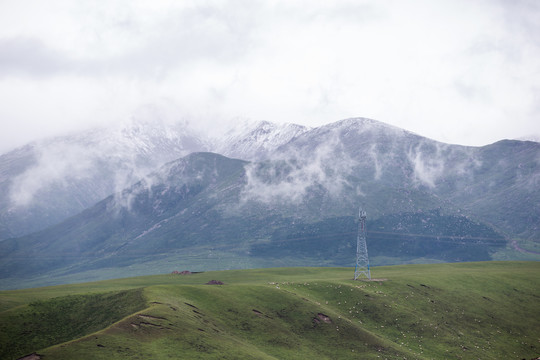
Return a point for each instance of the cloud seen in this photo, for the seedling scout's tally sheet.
(104, 160)
(456, 71)
(294, 174)
(427, 170)
(29, 56)
(434, 162)
(55, 165)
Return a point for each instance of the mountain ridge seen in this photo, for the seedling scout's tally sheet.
(222, 213)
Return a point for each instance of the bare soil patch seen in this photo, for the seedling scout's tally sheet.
(185, 272)
(151, 317)
(324, 318)
(215, 282)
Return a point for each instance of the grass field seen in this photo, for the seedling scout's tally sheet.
(488, 310)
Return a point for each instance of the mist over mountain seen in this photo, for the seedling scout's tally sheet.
(45, 182)
(290, 200)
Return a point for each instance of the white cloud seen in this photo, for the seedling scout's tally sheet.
(457, 71)
(291, 175)
(55, 165)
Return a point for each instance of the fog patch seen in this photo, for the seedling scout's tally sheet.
(428, 167)
(294, 174)
(102, 161)
(172, 179)
(528, 174)
(56, 164)
(432, 162)
(375, 157)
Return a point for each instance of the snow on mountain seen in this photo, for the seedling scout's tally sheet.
(49, 180)
(255, 141)
(45, 182)
(52, 179)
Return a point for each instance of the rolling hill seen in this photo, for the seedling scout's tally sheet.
(465, 310)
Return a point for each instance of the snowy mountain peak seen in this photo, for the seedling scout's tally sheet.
(256, 140)
(364, 125)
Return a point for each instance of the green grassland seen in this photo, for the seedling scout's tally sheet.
(485, 310)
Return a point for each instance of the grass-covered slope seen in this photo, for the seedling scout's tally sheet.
(52, 321)
(467, 310)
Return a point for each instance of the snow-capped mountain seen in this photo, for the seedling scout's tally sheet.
(426, 199)
(256, 140)
(47, 181)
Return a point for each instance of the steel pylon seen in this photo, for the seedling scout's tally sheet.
(362, 262)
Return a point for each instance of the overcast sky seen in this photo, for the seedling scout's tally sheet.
(458, 71)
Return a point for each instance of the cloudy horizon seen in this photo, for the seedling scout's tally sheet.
(461, 72)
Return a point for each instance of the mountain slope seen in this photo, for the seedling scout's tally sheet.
(497, 184)
(121, 225)
(200, 211)
(48, 181)
(426, 201)
(502, 187)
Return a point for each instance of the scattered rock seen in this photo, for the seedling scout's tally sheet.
(214, 282)
(185, 272)
(324, 318)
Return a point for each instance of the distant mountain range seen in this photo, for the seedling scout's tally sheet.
(45, 182)
(142, 197)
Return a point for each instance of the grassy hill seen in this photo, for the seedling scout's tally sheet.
(487, 310)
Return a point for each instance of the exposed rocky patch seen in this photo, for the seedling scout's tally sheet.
(215, 282)
(322, 317)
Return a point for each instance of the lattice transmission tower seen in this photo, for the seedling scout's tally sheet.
(362, 261)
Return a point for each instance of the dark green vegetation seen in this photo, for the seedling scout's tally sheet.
(484, 310)
(44, 322)
(428, 235)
